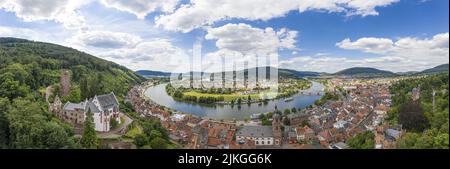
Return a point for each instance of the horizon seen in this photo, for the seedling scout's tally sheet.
(244, 69)
(323, 36)
(305, 71)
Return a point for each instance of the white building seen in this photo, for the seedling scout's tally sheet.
(340, 124)
(104, 108)
(262, 135)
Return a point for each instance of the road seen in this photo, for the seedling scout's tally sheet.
(117, 132)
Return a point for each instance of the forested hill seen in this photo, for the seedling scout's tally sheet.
(426, 119)
(38, 65)
(364, 72)
(437, 69)
(27, 68)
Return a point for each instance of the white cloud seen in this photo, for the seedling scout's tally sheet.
(126, 49)
(242, 42)
(106, 39)
(405, 54)
(152, 54)
(370, 45)
(438, 43)
(141, 8)
(200, 13)
(61, 11)
(333, 64)
(52, 35)
(247, 39)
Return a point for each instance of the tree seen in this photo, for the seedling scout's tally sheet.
(84, 90)
(11, 88)
(294, 110)
(140, 140)
(55, 136)
(158, 143)
(29, 127)
(4, 124)
(286, 122)
(113, 123)
(411, 116)
(305, 123)
(89, 139)
(287, 111)
(363, 140)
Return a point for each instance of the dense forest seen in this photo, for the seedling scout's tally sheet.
(27, 68)
(426, 119)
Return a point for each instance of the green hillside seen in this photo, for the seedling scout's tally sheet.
(437, 69)
(27, 68)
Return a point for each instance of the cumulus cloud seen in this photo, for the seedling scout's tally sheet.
(438, 43)
(199, 13)
(247, 39)
(152, 54)
(404, 54)
(106, 39)
(61, 11)
(141, 8)
(243, 43)
(370, 45)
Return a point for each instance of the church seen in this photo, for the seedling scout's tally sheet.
(104, 108)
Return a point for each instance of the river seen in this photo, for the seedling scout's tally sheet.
(159, 95)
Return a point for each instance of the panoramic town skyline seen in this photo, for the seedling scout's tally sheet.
(320, 36)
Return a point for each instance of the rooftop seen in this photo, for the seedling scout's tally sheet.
(255, 131)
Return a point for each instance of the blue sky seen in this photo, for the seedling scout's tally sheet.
(325, 36)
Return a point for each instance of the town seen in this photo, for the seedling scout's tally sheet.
(361, 106)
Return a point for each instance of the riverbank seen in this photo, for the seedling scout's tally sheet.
(157, 95)
(229, 96)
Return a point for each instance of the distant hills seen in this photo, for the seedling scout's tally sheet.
(364, 72)
(281, 73)
(437, 69)
(350, 72)
(151, 73)
(290, 72)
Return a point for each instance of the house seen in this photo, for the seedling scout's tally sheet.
(340, 124)
(74, 113)
(379, 139)
(304, 133)
(297, 118)
(324, 137)
(261, 135)
(393, 134)
(199, 139)
(291, 134)
(381, 109)
(104, 108)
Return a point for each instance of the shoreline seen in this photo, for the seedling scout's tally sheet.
(148, 85)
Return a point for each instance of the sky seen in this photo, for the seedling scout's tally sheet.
(305, 35)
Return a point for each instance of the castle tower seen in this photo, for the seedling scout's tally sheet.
(65, 83)
(276, 127)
